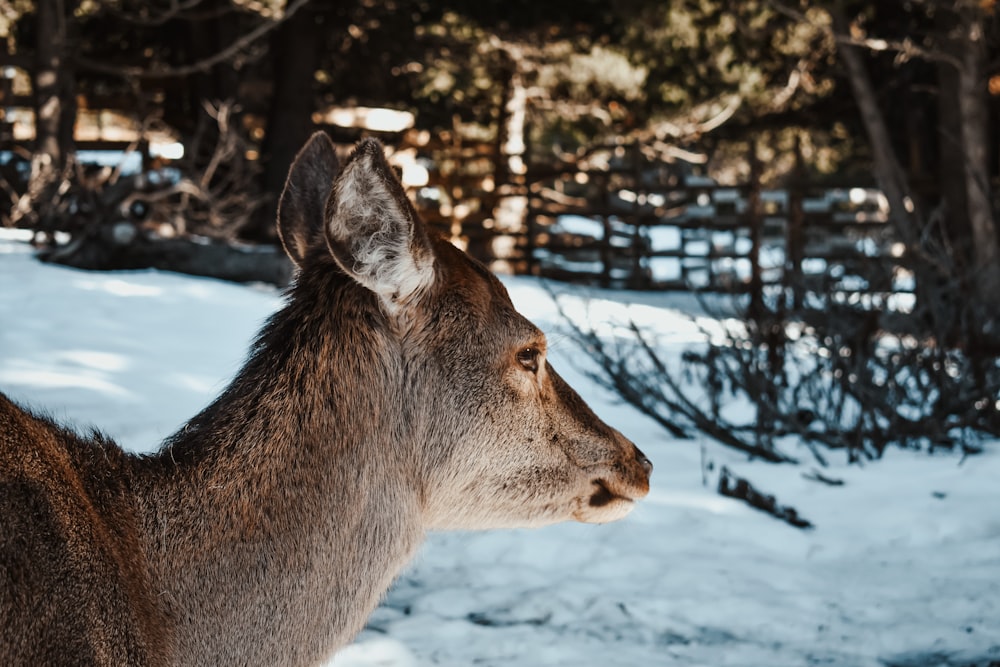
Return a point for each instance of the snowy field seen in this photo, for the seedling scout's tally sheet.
(902, 569)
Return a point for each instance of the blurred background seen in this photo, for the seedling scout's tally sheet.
(831, 165)
(762, 235)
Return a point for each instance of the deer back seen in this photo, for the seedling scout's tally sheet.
(74, 589)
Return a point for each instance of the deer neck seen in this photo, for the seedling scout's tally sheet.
(277, 518)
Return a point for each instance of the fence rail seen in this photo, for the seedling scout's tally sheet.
(627, 226)
(625, 221)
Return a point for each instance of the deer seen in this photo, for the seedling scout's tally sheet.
(396, 392)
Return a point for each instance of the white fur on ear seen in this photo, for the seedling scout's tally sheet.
(373, 231)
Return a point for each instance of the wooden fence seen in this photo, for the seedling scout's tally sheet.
(707, 236)
(614, 218)
(630, 223)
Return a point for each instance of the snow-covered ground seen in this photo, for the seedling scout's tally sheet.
(903, 567)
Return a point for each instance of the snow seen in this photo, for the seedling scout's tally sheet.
(903, 567)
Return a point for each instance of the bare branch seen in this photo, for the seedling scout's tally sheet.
(176, 10)
(231, 51)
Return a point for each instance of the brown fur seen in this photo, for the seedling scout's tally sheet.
(395, 393)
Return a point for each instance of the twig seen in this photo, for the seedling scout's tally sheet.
(203, 65)
(816, 476)
(732, 486)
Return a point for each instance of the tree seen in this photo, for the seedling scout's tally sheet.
(967, 258)
(54, 106)
(295, 56)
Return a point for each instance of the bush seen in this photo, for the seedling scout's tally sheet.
(840, 376)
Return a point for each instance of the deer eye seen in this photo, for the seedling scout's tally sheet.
(528, 358)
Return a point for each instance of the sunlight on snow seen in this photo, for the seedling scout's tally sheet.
(380, 652)
(105, 361)
(23, 236)
(41, 378)
(699, 501)
(117, 287)
(612, 318)
(200, 289)
(203, 384)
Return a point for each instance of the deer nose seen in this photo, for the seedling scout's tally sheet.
(643, 461)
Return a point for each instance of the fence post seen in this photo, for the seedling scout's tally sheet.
(604, 249)
(794, 241)
(531, 233)
(606, 257)
(531, 223)
(767, 325)
(636, 278)
(755, 219)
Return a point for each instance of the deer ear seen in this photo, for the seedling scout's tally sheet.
(303, 201)
(374, 232)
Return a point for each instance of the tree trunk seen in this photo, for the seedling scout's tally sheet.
(937, 306)
(207, 37)
(47, 82)
(219, 84)
(951, 163)
(55, 111)
(888, 172)
(295, 48)
(975, 132)
(509, 205)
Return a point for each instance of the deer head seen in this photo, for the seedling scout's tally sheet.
(489, 432)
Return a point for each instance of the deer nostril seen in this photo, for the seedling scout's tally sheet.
(646, 464)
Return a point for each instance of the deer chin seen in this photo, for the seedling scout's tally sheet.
(603, 505)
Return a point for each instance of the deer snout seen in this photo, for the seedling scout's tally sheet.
(635, 480)
(635, 469)
(646, 464)
(616, 486)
